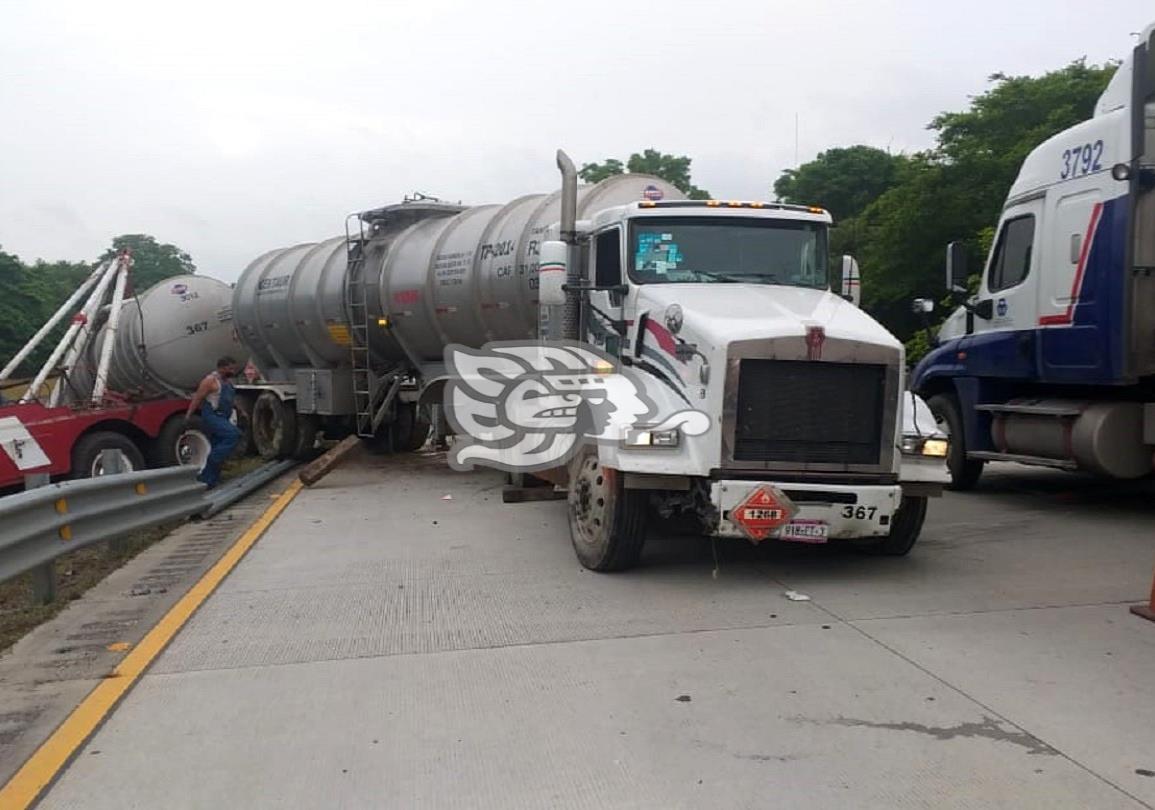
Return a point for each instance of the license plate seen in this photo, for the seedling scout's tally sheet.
(805, 531)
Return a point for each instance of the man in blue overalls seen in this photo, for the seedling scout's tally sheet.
(214, 398)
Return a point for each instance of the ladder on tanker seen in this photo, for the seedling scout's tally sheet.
(357, 306)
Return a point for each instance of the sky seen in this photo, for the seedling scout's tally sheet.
(231, 128)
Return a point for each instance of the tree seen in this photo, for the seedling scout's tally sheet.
(674, 170)
(151, 260)
(30, 293)
(956, 190)
(28, 296)
(843, 181)
(899, 228)
(597, 172)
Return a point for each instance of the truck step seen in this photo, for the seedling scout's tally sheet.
(1037, 461)
(1031, 410)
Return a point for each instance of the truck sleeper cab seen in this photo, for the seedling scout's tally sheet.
(1053, 363)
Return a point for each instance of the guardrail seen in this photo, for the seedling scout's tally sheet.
(41, 524)
(230, 492)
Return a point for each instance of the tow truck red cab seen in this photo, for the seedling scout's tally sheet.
(67, 441)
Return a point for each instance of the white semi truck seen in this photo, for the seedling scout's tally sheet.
(1052, 363)
(724, 308)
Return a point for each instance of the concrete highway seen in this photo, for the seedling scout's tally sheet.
(383, 646)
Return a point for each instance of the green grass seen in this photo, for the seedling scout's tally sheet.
(236, 467)
(75, 574)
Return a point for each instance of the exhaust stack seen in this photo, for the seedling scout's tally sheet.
(571, 314)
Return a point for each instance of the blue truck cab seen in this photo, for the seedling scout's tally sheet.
(1052, 363)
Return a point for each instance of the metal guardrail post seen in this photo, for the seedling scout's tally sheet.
(113, 462)
(43, 576)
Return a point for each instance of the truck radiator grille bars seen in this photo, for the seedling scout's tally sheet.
(800, 412)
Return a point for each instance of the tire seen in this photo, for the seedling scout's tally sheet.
(86, 462)
(379, 444)
(307, 424)
(964, 472)
(180, 442)
(246, 446)
(410, 429)
(274, 427)
(607, 522)
(905, 528)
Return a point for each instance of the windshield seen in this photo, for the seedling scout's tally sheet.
(723, 250)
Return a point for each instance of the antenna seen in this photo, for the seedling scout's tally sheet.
(795, 140)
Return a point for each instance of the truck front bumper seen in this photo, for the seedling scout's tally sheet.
(846, 511)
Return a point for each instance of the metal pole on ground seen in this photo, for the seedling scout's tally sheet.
(113, 462)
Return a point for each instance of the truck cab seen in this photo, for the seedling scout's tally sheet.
(1052, 363)
(726, 309)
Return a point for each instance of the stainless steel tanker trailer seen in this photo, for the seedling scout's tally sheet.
(345, 332)
(803, 430)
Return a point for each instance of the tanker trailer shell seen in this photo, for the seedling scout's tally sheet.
(434, 273)
(170, 336)
(289, 308)
(472, 278)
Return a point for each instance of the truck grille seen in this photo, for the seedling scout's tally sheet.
(803, 412)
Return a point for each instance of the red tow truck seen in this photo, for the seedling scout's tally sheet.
(68, 440)
(62, 420)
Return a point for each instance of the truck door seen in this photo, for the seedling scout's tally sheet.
(1003, 344)
(1069, 350)
(604, 321)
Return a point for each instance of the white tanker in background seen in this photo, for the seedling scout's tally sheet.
(720, 307)
(120, 375)
(167, 339)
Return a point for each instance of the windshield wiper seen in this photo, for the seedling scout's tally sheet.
(761, 278)
(719, 277)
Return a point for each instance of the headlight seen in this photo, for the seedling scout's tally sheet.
(922, 446)
(935, 447)
(645, 437)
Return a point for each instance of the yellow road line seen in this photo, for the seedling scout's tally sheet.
(50, 758)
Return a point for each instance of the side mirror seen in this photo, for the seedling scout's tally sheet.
(851, 284)
(1149, 90)
(985, 309)
(922, 306)
(956, 267)
(551, 273)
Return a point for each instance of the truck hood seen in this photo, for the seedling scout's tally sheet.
(721, 313)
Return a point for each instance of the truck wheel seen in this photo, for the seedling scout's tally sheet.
(181, 442)
(607, 522)
(410, 429)
(86, 460)
(905, 527)
(307, 424)
(964, 472)
(246, 446)
(274, 427)
(380, 443)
